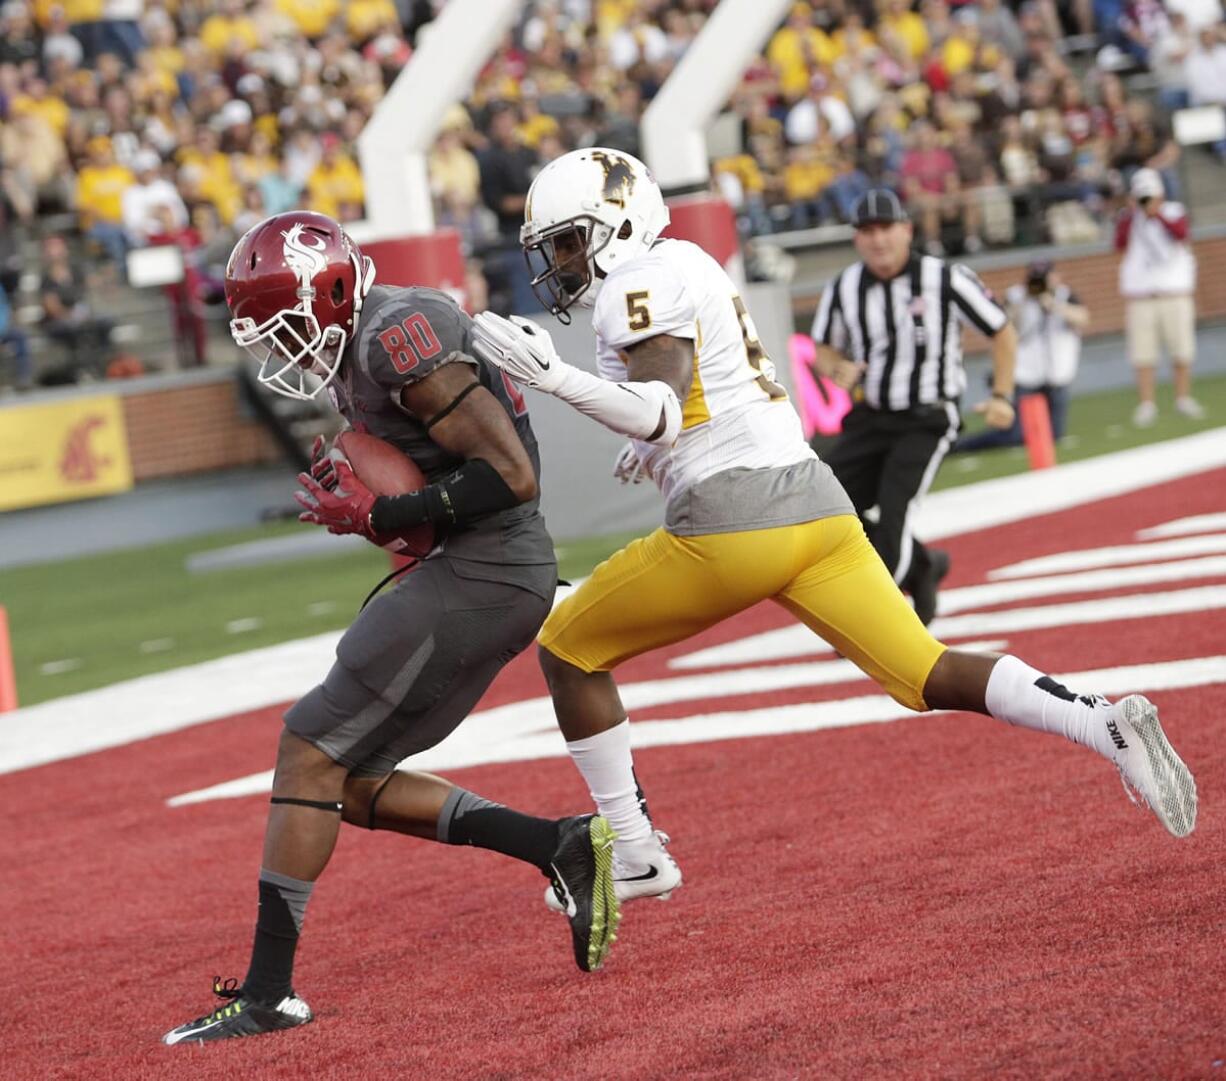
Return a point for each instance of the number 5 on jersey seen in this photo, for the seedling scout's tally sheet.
(637, 314)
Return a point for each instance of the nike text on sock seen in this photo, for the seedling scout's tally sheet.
(1024, 696)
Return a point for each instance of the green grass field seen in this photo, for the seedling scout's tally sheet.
(85, 623)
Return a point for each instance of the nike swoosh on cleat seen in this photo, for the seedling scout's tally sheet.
(652, 873)
(195, 1032)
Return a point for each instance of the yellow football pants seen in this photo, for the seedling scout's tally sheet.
(664, 588)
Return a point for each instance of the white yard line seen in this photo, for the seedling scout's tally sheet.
(1116, 555)
(481, 740)
(56, 668)
(1197, 523)
(1114, 578)
(799, 641)
(1012, 499)
(152, 705)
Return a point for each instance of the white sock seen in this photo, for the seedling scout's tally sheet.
(1024, 696)
(607, 766)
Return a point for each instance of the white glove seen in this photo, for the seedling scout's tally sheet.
(521, 349)
(628, 469)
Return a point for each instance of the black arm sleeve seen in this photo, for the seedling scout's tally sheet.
(472, 491)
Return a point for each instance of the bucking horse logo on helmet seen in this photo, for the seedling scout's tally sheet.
(618, 178)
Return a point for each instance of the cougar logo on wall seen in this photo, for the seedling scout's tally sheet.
(618, 178)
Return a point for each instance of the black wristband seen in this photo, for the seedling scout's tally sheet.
(1003, 397)
(472, 491)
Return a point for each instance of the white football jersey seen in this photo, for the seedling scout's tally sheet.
(736, 415)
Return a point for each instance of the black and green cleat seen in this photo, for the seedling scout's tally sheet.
(581, 873)
(240, 1016)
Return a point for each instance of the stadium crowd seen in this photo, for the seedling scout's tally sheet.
(188, 121)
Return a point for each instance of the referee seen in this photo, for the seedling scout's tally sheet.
(889, 326)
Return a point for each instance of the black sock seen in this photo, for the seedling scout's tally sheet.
(467, 819)
(282, 908)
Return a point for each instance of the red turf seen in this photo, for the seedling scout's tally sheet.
(941, 897)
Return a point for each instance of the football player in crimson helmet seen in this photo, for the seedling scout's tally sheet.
(398, 364)
(295, 285)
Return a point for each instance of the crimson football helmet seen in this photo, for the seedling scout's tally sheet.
(295, 285)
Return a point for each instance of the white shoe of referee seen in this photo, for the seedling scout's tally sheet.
(640, 869)
(1153, 774)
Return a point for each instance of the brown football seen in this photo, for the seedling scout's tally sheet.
(387, 470)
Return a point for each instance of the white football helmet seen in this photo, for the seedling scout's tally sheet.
(587, 212)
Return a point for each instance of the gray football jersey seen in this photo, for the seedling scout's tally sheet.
(404, 334)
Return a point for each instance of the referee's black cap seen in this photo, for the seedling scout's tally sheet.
(877, 206)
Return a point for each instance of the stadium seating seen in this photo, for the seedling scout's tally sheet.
(996, 121)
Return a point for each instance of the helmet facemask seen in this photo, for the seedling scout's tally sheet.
(562, 261)
(297, 358)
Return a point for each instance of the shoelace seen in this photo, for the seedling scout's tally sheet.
(227, 990)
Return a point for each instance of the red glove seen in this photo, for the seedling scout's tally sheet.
(323, 469)
(343, 509)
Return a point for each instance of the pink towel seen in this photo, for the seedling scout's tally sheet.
(822, 404)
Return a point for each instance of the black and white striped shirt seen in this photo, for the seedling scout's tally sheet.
(912, 345)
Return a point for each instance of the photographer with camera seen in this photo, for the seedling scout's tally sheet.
(1157, 281)
(1050, 322)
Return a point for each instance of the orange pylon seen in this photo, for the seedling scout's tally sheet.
(8, 681)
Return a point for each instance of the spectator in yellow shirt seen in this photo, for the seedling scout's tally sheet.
(150, 79)
(335, 184)
(35, 165)
(164, 48)
(231, 23)
(534, 125)
(38, 101)
(365, 18)
(852, 35)
(809, 171)
(217, 183)
(99, 199)
(312, 17)
(455, 183)
(258, 161)
(740, 181)
(898, 18)
(612, 15)
(797, 50)
(960, 48)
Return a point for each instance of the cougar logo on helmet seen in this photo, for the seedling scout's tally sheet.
(618, 177)
(304, 252)
(295, 285)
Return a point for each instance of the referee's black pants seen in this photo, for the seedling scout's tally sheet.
(888, 460)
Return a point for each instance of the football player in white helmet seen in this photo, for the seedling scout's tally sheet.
(751, 513)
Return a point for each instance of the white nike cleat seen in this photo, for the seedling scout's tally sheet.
(640, 869)
(1153, 774)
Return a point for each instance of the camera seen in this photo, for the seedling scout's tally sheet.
(1036, 281)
